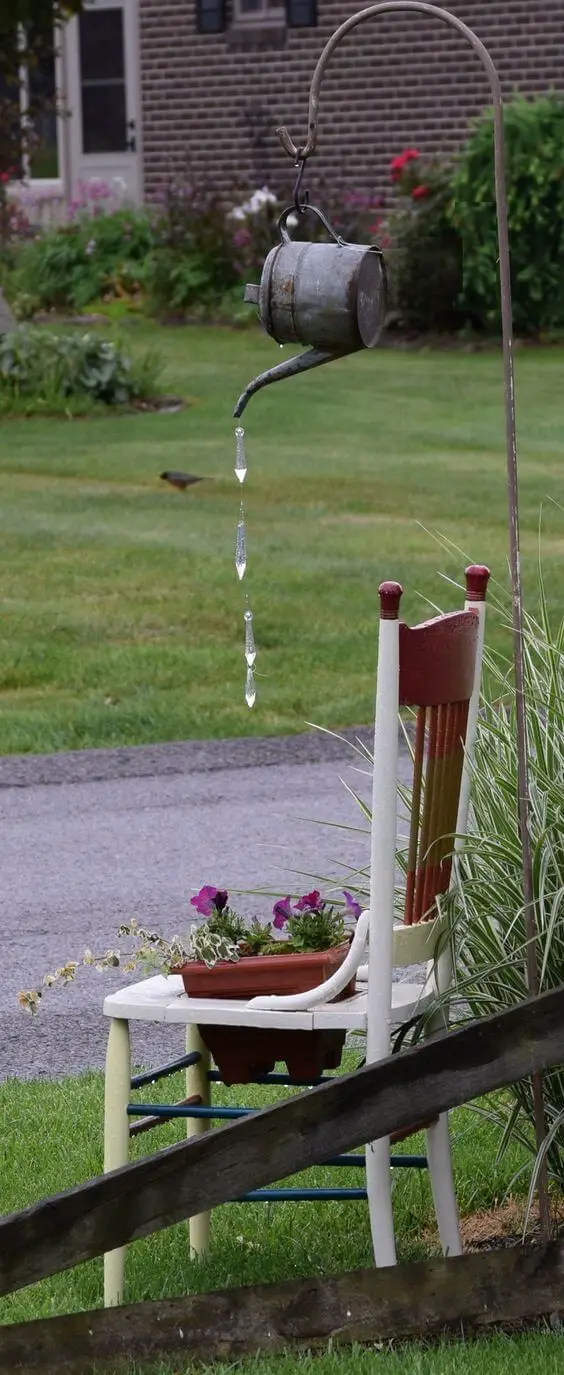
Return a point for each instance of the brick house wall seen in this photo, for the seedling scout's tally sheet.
(211, 102)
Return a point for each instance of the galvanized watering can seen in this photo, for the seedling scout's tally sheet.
(329, 295)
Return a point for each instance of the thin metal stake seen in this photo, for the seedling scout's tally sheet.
(300, 155)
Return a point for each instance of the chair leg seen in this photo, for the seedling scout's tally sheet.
(197, 1082)
(116, 1139)
(442, 1184)
(379, 1189)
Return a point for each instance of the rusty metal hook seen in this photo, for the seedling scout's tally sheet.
(300, 207)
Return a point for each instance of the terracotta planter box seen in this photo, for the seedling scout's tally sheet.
(243, 1054)
(256, 974)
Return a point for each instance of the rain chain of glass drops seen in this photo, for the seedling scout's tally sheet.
(240, 471)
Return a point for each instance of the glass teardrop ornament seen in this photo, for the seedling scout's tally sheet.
(250, 647)
(241, 546)
(240, 468)
(250, 688)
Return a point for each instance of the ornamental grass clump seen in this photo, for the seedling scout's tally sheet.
(485, 906)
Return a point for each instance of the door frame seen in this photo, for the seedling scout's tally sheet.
(68, 61)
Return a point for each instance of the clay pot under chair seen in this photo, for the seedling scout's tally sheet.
(242, 1053)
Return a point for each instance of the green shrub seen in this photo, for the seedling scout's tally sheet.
(535, 175)
(424, 255)
(38, 368)
(191, 259)
(94, 256)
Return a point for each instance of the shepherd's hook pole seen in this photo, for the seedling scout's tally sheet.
(300, 155)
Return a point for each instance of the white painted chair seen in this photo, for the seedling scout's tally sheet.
(436, 668)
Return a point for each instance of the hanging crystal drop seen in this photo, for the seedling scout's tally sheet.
(240, 468)
(241, 546)
(250, 688)
(250, 647)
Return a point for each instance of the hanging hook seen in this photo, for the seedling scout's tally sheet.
(300, 207)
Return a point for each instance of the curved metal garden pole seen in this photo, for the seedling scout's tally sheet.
(300, 155)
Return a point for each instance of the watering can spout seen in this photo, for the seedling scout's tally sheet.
(313, 358)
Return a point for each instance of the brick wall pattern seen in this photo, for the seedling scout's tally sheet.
(211, 103)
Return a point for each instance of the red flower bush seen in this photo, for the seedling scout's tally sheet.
(399, 164)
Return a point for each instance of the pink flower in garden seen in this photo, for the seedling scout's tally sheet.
(310, 902)
(282, 911)
(419, 192)
(210, 900)
(241, 238)
(354, 908)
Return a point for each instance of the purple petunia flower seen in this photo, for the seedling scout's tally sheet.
(354, 908)
(310, 902)
(209, 900)
(282, 910)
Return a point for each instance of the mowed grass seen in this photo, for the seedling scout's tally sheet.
(538, 1353)
(52, 1139)
(122, 615)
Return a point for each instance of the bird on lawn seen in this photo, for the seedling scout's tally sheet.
(180, 480)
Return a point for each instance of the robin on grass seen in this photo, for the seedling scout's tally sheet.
(180, 480)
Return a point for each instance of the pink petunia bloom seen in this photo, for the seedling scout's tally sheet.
(419, 192)
(354, 908)
(310, 902)
(209, 900)
(282, 911)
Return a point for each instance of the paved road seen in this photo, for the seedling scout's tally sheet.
(93, 838)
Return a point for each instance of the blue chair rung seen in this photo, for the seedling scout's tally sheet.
(170, 1110)
(301, 1195)
(398, 1162)
(151, 1076)
(186, 1110)
(215, 1078)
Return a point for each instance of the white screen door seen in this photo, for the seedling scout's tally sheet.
(102, 61)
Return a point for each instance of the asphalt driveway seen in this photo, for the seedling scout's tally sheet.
(90, 839)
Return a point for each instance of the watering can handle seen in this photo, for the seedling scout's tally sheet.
(312, 210)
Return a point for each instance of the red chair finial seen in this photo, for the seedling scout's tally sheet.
(477, 579)
(390, 594)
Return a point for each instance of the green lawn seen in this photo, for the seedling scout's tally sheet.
(122, 613)
(252, 1243)
(535, 1353)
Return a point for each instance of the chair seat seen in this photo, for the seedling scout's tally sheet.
(163, 999)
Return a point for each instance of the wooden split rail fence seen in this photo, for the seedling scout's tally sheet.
(201, 1173)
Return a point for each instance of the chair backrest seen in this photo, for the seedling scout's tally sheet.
(436, 668)
(437, 662)
(438, 674)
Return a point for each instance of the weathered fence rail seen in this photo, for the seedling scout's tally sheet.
(197, 1175)
(363, 1306)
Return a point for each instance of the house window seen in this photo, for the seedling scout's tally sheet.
(102, 81)
(259, 12)
(42, 92)
(301, 14)
(28, 108)
(210, 16)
